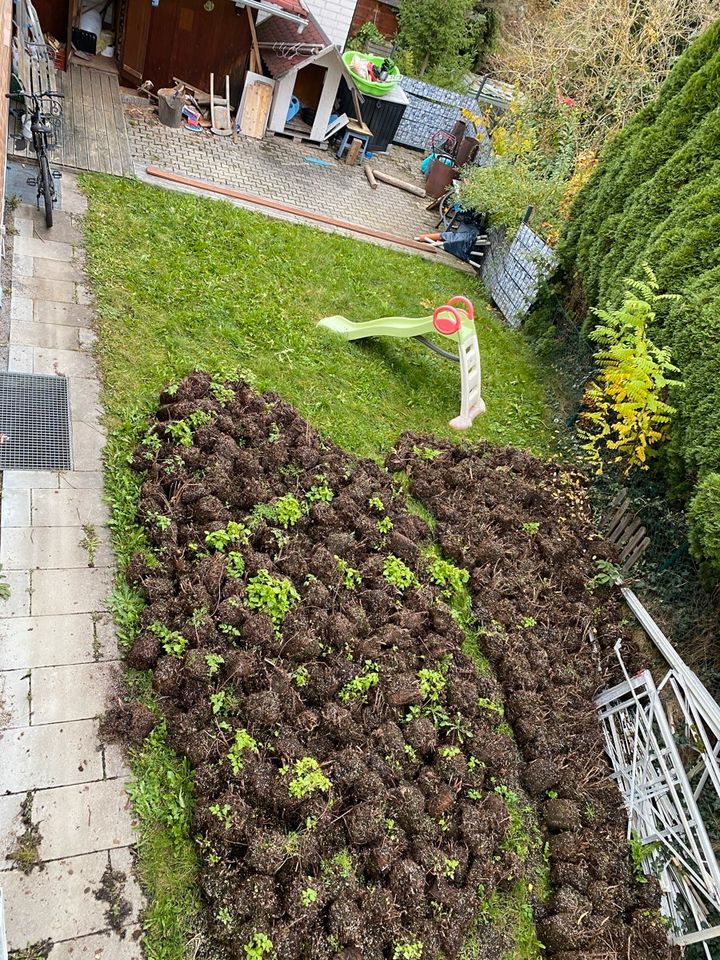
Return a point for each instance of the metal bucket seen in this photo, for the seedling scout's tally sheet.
(170, 110)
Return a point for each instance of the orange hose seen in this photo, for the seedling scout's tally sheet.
(285, 208)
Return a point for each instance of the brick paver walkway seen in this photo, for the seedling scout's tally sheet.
(276, 168)
(64, 813)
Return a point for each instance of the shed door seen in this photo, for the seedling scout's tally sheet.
(135, 38)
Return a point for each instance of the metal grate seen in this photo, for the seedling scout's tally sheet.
(35, 430)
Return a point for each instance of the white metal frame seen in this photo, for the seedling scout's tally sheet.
(664, 744)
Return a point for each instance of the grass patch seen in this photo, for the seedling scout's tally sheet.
(184, 281)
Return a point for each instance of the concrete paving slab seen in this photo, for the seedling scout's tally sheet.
(57, 903)
(50, 336)
(46, 641)
(122, 859)
(15, 509)
(23, 225)
(70, 591)
(14, 699)
(83, 818)
(55, 548)
(82, 480)
(88, 445)
(68, 508)
(66, 363)
(84, 294)
(20, 360)
(59, 270)
(68, 314)
(115, 762)
(101, 946)
(21, 308)
(41, 288)
(18, 604)
(52, 755)
(47, 249)
(87, 337)
(30, 480)
(78, 691)
(22, 266)
(11, 827)
(84, 398)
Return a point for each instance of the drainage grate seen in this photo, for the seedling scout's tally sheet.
(35, 431)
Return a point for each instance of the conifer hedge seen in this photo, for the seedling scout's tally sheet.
(655, 198)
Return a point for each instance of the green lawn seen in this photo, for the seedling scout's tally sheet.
(184, 281)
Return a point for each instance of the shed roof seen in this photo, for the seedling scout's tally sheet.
(283, 48)
(292, 6)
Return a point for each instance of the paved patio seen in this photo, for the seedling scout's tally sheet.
(278, 169)
(64, 816)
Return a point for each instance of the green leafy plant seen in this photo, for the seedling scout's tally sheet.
(408, 951)
(243, 741)
(447, 576)
(260, 947)
(288, 511)
(222, 813)
(223, 393)
(450, 867)
(300, 676)
(220, 540)
(214, 661)
(608, 575)
(307, 778)
(352, 578)
(427, 453)
(340, 865)
(398, 574)
(320, 491)
(375, 503)
(182, 431)
(432, 683)
(531, 527)
(272, 596)
(235, 565)
(160, 520)
(384, 525)
(358, 688)
(626, 410)
(367, 33)
(308, 896)
(173, 642)
(224, 916)
(449, 753)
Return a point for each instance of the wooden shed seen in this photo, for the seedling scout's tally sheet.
(175, 38)
(307, 66)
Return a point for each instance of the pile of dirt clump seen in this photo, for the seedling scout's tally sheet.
(355, 787)
(522, 528)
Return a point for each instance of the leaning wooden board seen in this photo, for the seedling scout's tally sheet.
(256, 110)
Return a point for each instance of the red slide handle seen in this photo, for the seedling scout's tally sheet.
(446, 320)
(466, 305)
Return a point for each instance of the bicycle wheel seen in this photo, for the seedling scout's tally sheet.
(47, 189)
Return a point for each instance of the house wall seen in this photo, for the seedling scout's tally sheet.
(383, 15)
(5, 39)
(335, 17)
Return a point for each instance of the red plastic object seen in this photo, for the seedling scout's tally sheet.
(466, 305)
(446, 320)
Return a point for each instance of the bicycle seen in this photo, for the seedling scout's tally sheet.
(40, 128)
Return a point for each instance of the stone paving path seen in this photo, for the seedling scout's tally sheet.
(64, 812)
(275, 168)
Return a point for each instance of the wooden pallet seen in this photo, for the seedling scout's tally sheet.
(627, 532)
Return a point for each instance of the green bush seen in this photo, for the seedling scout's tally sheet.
(705, 521)
(655, 198)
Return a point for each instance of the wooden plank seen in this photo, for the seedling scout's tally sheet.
(91, 133)
(81, 139)
(108, 112)
(126, 160)
(256, 109)
(66, 154)
(98, 109)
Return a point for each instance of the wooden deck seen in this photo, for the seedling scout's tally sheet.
(92, 135)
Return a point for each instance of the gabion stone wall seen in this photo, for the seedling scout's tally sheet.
(512, 272)
(431, 109)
